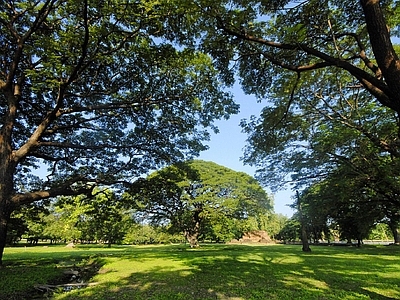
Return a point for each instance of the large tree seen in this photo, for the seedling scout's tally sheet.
(94, 91)
(289, 50)
(265, 37)
(354, 198)
(193, 195)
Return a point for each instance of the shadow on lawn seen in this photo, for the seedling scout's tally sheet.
(240, 272)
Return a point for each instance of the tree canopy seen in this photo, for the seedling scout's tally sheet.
(316, 71)
(265, 38)
(337, 67)
(198, 197)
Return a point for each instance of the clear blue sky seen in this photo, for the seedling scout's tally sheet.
(226, 147)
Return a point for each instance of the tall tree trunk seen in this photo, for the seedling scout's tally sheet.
(8, 163)
(5, 209)
(304, 238)
(7, 169)
(4, 218)
(396, 236)
(6, 190)
(383, 49)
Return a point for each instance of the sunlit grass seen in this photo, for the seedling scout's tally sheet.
(220, 271)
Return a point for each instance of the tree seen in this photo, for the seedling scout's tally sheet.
(347, 200)
(303, 226)
(291, 230)
(269, 222)
(197, 196)
(265, 38)
(28, 221)
(337, 68)
(281, 48)
(105, 219)
(95, 92)
(380, 232)
(100, 218)
(66, 216)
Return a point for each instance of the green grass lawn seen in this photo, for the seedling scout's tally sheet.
(210, 272)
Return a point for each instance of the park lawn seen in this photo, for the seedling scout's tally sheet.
(211, 272)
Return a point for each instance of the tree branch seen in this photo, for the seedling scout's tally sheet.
(382, 46)
(65, 189)
(376, 87)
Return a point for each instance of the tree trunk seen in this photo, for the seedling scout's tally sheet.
(6, 190)
(192, 233)
(5, 213)
(396, 236)
(192, 238)
(304, 238)
(4, 218)
(395, 231)
(383, 49)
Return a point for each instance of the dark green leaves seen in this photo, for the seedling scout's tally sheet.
(199, 191)
(103, 92)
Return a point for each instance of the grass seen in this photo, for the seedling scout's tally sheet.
(211, 272)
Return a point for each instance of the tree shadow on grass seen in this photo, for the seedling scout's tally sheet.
(242, 272)
(22, 272)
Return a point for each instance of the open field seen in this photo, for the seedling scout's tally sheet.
(211, 272)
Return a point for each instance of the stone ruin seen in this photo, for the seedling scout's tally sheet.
(252, 237)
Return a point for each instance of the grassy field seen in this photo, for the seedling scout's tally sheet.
(210, 272)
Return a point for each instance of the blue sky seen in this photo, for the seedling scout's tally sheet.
(226, 147)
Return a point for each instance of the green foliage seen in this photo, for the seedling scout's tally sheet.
(380, 232)
(273, 224)
(67, 213)
(290, 231)
(16, 229)
(200, 196)
(146, 234)
(29, 222)
(352, 199)
(324, 126)
(105, 219)
(331, 137)
(98, 218)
